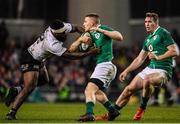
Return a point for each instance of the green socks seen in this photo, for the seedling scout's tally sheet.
(117, 107)
(109, 106)
(144, 101)
(89, 107)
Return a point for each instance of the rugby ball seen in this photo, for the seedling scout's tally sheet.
(83, 47)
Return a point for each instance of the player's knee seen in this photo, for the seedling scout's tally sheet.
(88, 91)
(129, 89)
(146, 83)
(30, 87)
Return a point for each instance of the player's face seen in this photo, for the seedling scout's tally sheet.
(88, 23)
(150, 25)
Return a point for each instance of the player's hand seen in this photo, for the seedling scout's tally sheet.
(152, 56)
(94, 29)
(97, 29)
(123, 76)
(94, 51)
(84, 39)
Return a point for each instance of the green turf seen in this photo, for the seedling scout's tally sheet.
(70, 112)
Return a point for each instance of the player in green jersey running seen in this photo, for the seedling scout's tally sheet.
(105, 70)
(160, 48)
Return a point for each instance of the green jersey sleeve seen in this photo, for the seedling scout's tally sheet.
(106, 28)
(167, 39)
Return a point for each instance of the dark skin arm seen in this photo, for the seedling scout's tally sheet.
(76, 28)
(80, 55)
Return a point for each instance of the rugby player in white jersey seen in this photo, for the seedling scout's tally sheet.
(48, 44)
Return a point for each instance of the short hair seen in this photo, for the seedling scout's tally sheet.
(153, 15)
(95, 16)
(56, 24)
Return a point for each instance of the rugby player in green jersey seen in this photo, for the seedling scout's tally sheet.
(160, 48)
(105, 71)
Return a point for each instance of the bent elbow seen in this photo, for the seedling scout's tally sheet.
(176, 53)
(120, 38)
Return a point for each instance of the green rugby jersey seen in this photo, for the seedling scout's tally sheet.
(158, 43)
(104, 43)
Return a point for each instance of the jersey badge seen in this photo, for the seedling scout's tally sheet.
(97, 35)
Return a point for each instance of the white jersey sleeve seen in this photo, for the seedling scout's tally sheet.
(56, 48)
(45, 46)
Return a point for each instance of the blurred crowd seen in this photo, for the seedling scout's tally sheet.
(68, 78)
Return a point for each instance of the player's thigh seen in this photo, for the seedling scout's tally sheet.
(43, 76)
(104, 72)
(30, 78)
(91, 87)
(101, 96)
(136, 83)
(156, 79)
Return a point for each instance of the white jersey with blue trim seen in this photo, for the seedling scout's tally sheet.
(47, 45)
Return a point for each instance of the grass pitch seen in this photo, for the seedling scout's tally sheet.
(70, 112)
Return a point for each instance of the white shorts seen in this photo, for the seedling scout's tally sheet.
(105, 72)
(148, 71)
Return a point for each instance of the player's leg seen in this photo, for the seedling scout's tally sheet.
(151, 80)
(112, 111)
(135, 85)
(155, 95)
(30, 81)
(14, 91)
(43, 75)
(102, 76)
(90, 91)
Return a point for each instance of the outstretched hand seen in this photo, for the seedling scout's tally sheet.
(123, 76)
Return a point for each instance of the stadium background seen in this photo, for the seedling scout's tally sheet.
(22, 20)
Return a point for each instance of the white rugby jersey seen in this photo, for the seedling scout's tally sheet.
(47, 45)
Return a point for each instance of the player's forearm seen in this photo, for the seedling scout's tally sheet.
(134, 65)
(115, 35)
(80, 55)
(168, 54)
(74, 46)
(76, 28)
(73, 55)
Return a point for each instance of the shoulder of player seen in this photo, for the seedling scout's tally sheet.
(105, 27)
(51, 40)
(163, 31)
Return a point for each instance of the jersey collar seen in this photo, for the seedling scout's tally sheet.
(156, 30)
